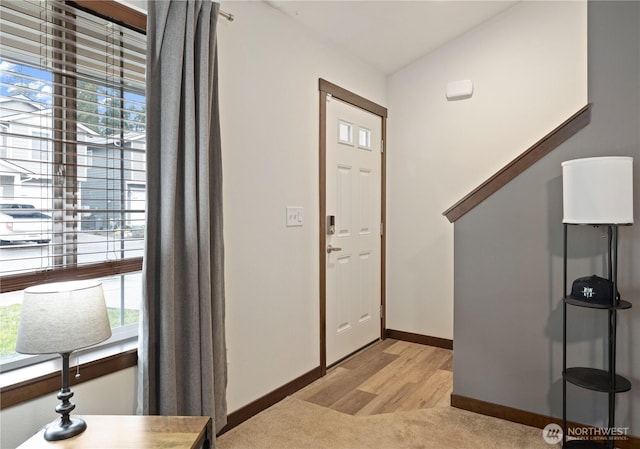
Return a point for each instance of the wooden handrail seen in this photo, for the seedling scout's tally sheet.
(525, 160)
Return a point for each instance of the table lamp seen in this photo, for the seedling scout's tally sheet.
(60, 318)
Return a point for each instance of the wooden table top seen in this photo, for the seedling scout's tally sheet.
(131, 432)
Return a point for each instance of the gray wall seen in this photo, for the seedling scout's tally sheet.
(508, 257)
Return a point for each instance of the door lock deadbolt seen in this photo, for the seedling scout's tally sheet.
(331, 224)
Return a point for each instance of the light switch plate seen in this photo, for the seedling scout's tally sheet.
(295, 216)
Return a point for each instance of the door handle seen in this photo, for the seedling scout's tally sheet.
(330, 249)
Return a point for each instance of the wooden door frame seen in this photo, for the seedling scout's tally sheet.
(326, 88)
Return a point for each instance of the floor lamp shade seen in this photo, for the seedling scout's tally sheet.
(598, 190)
(62, 317)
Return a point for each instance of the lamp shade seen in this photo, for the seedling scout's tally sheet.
(598, 190)
(62, 317)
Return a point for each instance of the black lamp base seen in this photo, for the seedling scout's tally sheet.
(62, 431)
(67, 427)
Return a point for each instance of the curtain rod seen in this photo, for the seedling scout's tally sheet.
(226, 15)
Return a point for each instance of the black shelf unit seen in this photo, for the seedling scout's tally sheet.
(622, 304)
(596, 380)
(602, 380)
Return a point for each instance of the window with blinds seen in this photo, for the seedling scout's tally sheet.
(72, 155)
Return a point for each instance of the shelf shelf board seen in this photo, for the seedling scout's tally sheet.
(622, 304)
(595, 225)
(596, 379)
(583, 444)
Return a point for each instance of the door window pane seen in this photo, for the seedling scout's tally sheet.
(364, 138)
(345, 132)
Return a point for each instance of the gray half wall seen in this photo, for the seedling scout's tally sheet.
(508, 258)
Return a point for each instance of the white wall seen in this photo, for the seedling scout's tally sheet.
(113, 394)
(518, 362)
(269, 70)
(529, 70)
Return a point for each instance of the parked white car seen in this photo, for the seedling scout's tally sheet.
(23, 223)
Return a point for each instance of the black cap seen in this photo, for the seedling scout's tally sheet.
(593, 289)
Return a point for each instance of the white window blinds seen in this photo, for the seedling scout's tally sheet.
(72, 145)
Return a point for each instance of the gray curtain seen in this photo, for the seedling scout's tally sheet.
(182, 366)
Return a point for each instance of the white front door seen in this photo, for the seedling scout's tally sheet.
(353, 198)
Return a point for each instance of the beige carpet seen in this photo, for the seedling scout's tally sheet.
(297, 424)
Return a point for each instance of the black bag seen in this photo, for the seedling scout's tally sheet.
(593, 289)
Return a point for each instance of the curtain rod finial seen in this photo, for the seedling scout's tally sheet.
(226, 15)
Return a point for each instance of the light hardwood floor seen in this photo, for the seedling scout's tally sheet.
(388, 376)
(393, 394)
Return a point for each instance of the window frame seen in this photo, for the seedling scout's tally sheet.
(4, 140)
(26, 383)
